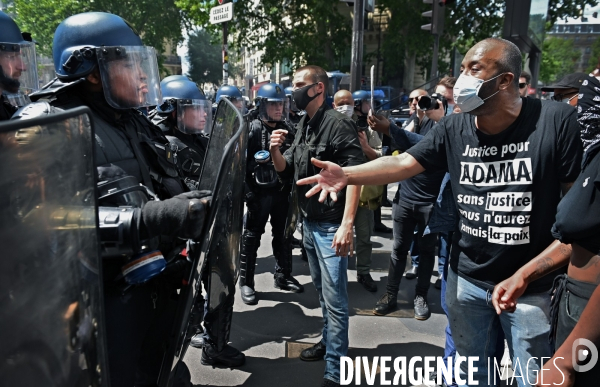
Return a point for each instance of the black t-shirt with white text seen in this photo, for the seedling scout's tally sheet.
(506, 186)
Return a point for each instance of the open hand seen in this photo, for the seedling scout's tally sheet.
(330, 180)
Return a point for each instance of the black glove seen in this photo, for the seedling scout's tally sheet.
(181, 216)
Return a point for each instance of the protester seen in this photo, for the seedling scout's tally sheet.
(370, 196)
(576, 231)
(509, 154)
(328, 135)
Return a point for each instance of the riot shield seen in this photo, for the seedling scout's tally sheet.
(222, 173)
(51, 320)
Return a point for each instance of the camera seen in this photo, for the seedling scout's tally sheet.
(431, 103)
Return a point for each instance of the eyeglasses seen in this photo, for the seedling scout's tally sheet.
(522, 85)
(560, 97)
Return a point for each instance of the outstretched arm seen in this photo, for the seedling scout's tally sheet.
(383, 170)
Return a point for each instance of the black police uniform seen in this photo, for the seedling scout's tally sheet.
(6, 108)
(190, 149)
(263, 202)
(138, 319)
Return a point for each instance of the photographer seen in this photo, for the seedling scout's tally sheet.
(412, 207)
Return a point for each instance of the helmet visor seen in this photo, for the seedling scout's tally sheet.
(129, 76)
(238, 102)
(274, 110)
(18, 77)
(194, 116)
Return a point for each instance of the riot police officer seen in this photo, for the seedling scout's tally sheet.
(18, 69)
(233, 94)
(267, 195)
(295, 113)
(185, 118)
(362, 105)
(101, 63)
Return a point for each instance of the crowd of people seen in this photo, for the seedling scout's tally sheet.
(503, 186)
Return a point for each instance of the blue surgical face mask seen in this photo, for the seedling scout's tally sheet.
(465, 92)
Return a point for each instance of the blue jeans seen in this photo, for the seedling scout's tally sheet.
(476, 326)
(330, 275)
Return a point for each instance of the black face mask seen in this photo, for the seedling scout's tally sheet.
(301, 97)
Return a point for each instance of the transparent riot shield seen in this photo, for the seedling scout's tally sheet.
(217, 253)
(51, 319)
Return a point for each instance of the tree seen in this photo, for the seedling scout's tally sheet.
(157, 21)
(594, 61)
(205, 58)
(299, 31)
(466, 23)
(559, 57)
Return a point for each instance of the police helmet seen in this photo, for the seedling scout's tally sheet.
(359, 97)
(128, 69)
(288, 93)
(18, 67)
(173, 78)
(193, 110)
(273, 104)
(232, 93)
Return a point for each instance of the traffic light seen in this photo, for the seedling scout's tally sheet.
(437, 16)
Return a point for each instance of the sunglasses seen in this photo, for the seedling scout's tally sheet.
(560, 97)
(522, 85)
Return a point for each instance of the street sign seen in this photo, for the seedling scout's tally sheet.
(221, 13)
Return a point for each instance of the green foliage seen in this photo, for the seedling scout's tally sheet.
(559, 57)
(205, 58)
(560, 9)
(466, 23)
(594, 61)
(156, 20)
(301, 31)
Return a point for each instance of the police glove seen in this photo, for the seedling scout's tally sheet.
(181, 216)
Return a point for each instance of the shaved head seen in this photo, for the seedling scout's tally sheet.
(505, 55)
(343, 97)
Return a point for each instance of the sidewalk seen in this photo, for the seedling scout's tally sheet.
(273, 332)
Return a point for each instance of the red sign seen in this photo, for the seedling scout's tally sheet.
(221, 1)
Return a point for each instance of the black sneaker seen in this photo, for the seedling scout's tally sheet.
(421, 308)
(288, 283)
(382, 228)
(386, 304)
(316, 352)
(296, 243)
(367, 282)
(412, 272)
(438, 282)
(228, 357)
(329, 383)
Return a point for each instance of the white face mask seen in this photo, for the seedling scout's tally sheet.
(345, 109)
(465, 92)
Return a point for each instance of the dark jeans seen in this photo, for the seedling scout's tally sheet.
(572, 303)
(406, 217)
